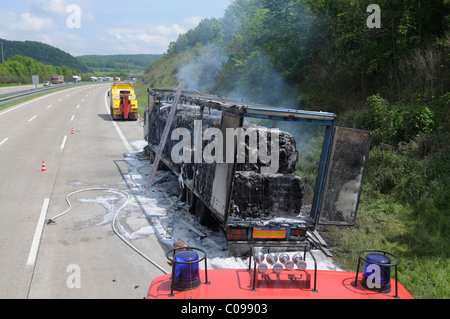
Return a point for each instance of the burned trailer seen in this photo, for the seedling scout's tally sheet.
(240, 173)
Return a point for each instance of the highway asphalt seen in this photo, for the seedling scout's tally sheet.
(78, 256)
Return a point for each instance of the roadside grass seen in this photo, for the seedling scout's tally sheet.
(13, 84)
(142, 97)
(404, 209)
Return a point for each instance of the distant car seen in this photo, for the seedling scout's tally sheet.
(47, 83)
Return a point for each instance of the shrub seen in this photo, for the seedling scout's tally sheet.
(441, 110)
(415, 119)
(380, 119)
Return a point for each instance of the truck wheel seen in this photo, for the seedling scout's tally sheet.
(203, 214)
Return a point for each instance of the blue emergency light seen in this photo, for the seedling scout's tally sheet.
(187, 274)
(377, 270)
(185, 268)
(377, 273)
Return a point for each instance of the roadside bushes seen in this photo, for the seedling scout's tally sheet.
(409, 139)
(396, 124)
(405, 205)
(19, 69)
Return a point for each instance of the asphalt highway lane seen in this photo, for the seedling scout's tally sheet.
(76, 257)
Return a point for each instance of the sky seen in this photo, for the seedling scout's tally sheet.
(105, 27)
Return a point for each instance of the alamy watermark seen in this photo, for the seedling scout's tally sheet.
(374, 20)
(74, 19)
(74, 279)
(247, 144)
(374, 277)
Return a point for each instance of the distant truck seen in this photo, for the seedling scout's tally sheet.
(76, 78)
(253, 206)
(123, 102)
(57, 79)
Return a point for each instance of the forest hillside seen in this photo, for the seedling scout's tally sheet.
(41, 52)
(126, 63)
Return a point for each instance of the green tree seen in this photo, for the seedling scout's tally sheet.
(19, 69)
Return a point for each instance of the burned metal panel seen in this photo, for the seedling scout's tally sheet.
(344, 177)
(224, 172)
(146, 123)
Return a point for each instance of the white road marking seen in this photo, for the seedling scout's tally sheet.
(25, 103)
(32, 118)
(64, 142)
(73, 116)
(38, 233)
(49, 106)
(124, 140)
(3, 142)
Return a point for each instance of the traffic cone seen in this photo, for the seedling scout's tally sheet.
(73, 133)
(43, 170)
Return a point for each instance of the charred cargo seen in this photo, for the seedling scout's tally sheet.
(239, 173)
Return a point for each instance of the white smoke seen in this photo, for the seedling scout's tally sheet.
(200, 74)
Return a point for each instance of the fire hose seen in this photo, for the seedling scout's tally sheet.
(52, 220)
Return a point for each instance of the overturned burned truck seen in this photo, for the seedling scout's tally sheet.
(236, 171)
